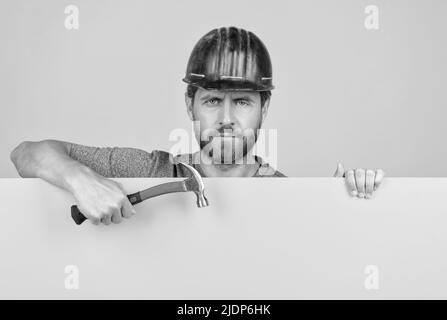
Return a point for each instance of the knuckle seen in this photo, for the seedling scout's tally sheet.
(113, 208)
(107, 213)
(122, 199)
(94, 215)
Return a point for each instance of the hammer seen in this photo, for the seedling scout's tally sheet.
(194, 183)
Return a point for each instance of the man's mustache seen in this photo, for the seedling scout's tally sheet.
(228, 130)
(209, 134)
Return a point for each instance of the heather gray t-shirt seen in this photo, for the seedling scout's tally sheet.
(114, 162)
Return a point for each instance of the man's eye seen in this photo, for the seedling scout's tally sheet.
(212, 101)
(242, 103)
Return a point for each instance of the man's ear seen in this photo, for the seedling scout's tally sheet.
(265, 108)
(189, 106)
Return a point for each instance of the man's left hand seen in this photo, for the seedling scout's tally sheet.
(361, 183)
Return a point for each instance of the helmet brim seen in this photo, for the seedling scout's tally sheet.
(227, 85)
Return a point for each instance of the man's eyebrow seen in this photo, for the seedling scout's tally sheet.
(246, 97)
(209, 96)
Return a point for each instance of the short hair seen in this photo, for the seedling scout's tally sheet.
(191, 92)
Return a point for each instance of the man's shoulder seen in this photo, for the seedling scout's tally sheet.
(135, 155)
(163, 155)
(157, 163)
(279, 174)
(188, 158)
(266, 170)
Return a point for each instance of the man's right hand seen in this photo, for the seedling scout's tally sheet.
(98, 198)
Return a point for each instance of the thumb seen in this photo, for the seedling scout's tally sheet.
(340, 172)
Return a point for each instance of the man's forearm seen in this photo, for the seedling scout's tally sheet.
(48, 160)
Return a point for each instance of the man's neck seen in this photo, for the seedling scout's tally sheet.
(247, 168)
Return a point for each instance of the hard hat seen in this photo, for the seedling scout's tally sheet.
(230, 59)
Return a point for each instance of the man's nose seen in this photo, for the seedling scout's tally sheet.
(227, 116)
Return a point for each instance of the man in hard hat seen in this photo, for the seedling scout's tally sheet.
(229, 83)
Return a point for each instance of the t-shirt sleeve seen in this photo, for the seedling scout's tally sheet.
(116, 162)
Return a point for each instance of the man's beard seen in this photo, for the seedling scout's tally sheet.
(236, 157)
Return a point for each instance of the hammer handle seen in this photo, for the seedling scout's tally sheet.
(134, 198)
(79, 218)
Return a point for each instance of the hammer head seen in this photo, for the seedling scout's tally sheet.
(195, 183)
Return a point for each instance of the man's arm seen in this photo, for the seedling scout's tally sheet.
(99, 198)
(48, 159)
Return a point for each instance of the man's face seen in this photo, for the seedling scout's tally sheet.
(226, 122)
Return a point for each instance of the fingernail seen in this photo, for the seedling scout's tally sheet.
(361, 195)
(354, 192)
(368, 196)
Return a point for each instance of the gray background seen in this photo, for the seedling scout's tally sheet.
(343, 93)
